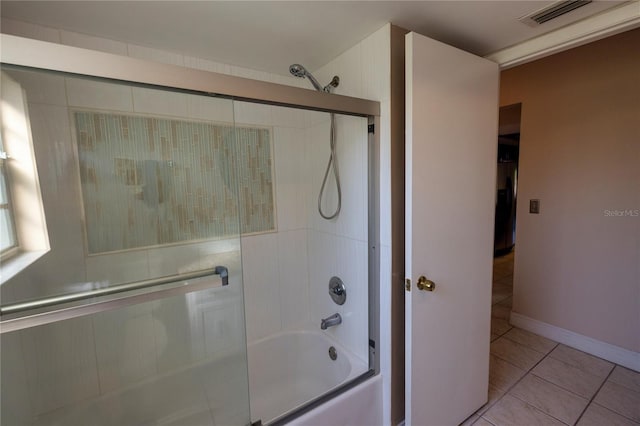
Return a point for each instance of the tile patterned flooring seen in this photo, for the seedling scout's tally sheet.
(536, 381)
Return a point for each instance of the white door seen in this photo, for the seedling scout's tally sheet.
(451, 137)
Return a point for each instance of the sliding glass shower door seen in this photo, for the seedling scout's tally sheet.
(135, 315)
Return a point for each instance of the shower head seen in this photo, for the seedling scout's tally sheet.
(299, 71)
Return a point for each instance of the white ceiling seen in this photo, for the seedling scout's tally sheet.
(270, 35)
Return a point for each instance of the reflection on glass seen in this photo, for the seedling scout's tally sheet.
(180, 360)
(136, 184)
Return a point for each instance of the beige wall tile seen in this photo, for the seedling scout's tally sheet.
(60, 362)
(41, 87)
(223, 328)
(26, 29)
(95, 43)
(156, 55)
(260, 271)
(96, 94)
(160, 102)
(178, 327)
(125, 346)
(16, 406)
(293, 281)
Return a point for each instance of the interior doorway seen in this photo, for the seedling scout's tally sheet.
(507, 179)
(505, 218)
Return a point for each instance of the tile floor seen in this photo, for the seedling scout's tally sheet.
(536, 381)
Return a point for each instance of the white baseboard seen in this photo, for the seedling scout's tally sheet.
(615, 354)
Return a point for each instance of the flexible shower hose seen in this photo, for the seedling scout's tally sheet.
(333, 161)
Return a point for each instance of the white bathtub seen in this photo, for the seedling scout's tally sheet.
(290, 368)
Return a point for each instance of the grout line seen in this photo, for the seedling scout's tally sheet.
(525, 375)
(530, 348)
(563, 388)
(538, 409)
(500, 335)
(527, 347)
(595, 394)
(526, 372)
(482, 410)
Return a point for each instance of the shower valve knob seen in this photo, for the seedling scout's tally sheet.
(337, 290)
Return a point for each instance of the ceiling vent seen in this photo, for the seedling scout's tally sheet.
(551, 12)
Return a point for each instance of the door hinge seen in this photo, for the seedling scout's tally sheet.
(407, 284)
(371, 128)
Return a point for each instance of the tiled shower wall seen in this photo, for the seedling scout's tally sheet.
(338, 247)
(365, 72)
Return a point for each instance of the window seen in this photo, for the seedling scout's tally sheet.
(8, 241)
(23, 230)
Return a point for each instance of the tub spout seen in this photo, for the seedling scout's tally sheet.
(331, 321)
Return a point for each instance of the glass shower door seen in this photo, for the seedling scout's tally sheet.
(136, 313)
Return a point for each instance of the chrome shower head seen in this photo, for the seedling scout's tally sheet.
(300, 71)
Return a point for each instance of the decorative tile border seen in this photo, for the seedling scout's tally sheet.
(149, 181)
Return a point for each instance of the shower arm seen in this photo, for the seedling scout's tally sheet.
(300, 71)
(315, 83)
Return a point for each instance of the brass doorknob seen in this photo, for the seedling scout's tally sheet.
(425, 285)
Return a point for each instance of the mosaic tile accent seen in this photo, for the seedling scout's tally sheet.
(150, 181)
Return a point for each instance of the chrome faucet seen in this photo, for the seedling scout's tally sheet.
(331, 321)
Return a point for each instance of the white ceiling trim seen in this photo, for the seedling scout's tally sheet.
(610, 22)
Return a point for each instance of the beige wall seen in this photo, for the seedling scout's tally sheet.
(576, 267)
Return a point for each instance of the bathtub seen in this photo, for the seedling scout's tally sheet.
(290, 368)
